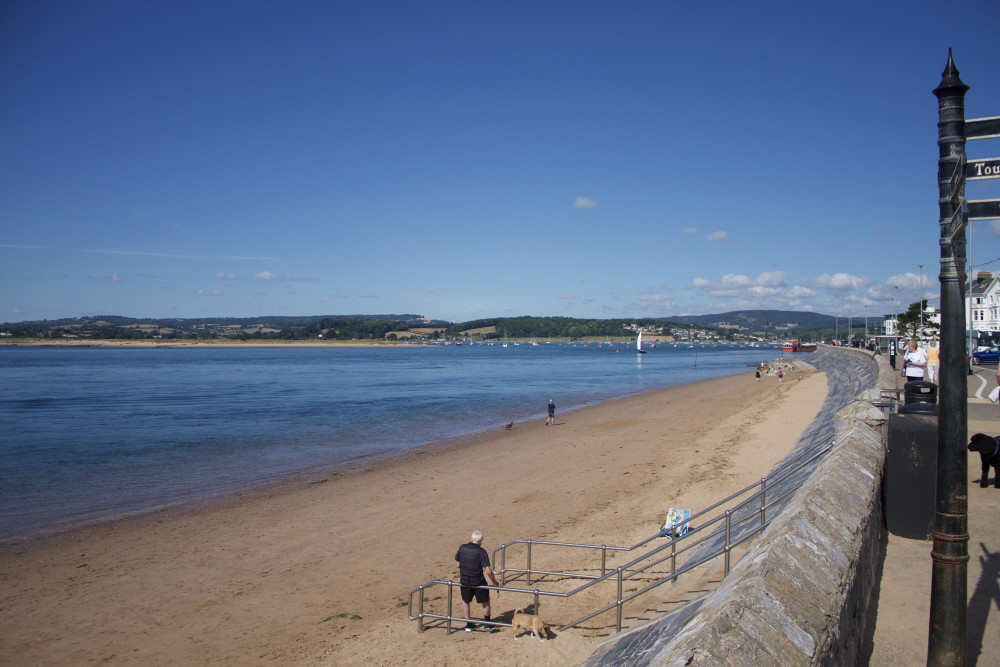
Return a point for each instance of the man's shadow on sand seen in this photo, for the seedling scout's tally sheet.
(987, 593)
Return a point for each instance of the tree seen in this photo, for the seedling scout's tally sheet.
(909, 322)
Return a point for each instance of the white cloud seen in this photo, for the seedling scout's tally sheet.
(904, 281)
(584, 202)
(224, 276)
(688, 231)
(206, 292)
(731, 280)
(840, 282)
(718, 236)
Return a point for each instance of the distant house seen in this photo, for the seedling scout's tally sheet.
(982, 310)
(890, 325)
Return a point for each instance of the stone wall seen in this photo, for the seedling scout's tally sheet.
(802, 595)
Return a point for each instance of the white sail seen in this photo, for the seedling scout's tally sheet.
(638, 341)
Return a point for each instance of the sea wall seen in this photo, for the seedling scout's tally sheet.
(803, 594)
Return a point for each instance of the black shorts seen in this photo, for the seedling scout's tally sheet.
(482, 595)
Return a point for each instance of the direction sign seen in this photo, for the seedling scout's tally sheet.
(982, 128)
(983, 209)
(977, 170)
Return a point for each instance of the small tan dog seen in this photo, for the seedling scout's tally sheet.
(510, 425)
(530, 623)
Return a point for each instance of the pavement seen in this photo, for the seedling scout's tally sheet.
(903, 613)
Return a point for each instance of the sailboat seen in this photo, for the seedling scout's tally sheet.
(638, 344)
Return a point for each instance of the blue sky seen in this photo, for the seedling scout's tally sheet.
(462, 160)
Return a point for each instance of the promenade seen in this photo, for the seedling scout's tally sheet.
(901, 626)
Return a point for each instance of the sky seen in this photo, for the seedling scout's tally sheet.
(465, 160)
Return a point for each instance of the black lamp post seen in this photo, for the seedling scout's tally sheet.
(946, 643)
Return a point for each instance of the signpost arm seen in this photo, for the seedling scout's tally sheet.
(946, 643)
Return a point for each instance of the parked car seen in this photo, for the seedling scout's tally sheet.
(988, 356)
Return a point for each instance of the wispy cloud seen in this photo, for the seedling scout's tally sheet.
(718, 236)
(584, 202)
(688, 231)
(208, 292)
(137, 253)
(267, 276)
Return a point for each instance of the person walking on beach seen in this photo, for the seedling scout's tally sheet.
(781, 374)
(473, 568)
(552, 414)
(933, 362)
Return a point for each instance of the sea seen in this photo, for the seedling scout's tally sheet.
(91, 434)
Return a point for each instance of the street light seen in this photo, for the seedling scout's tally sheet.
(895, 307)
(921, 295)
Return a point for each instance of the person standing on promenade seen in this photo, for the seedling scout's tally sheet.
(552, 414)
(916, 361)
(473, 568)
(933, 362)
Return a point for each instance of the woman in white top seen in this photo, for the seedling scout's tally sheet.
(916, 361)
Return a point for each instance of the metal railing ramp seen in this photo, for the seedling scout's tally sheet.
(582, 582)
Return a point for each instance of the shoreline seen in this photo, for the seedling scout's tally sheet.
(318, 570)
(221, 342)
(55, 533)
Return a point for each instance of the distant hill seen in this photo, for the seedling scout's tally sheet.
(791, 321)
(733, 325)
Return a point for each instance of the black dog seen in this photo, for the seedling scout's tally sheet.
(989, 451)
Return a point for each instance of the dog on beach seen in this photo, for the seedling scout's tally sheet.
(530, 623)
(510, 425)
(989, 454)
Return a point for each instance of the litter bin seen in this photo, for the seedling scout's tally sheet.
(911, 471)
(919, 391)
(918, 409)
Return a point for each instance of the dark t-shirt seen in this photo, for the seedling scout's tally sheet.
(552, 408)
(472, 558)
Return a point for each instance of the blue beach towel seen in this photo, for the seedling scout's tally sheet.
(676, 524)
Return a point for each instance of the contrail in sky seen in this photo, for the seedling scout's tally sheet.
(137, 252)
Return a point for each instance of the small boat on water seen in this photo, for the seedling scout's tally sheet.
(791, 345)
(638, 344)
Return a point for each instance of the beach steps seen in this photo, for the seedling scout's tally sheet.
(667, 599)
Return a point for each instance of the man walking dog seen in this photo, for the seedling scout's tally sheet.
(474, 567)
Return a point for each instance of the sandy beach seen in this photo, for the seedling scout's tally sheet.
(318, 572)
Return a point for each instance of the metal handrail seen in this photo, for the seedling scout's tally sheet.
(734, 531)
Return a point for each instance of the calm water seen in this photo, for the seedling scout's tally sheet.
(96, 433)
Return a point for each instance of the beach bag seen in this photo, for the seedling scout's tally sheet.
(676, 524)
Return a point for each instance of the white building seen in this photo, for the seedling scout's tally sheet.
(982, 309)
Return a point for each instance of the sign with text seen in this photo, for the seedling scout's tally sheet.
(976, 170)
